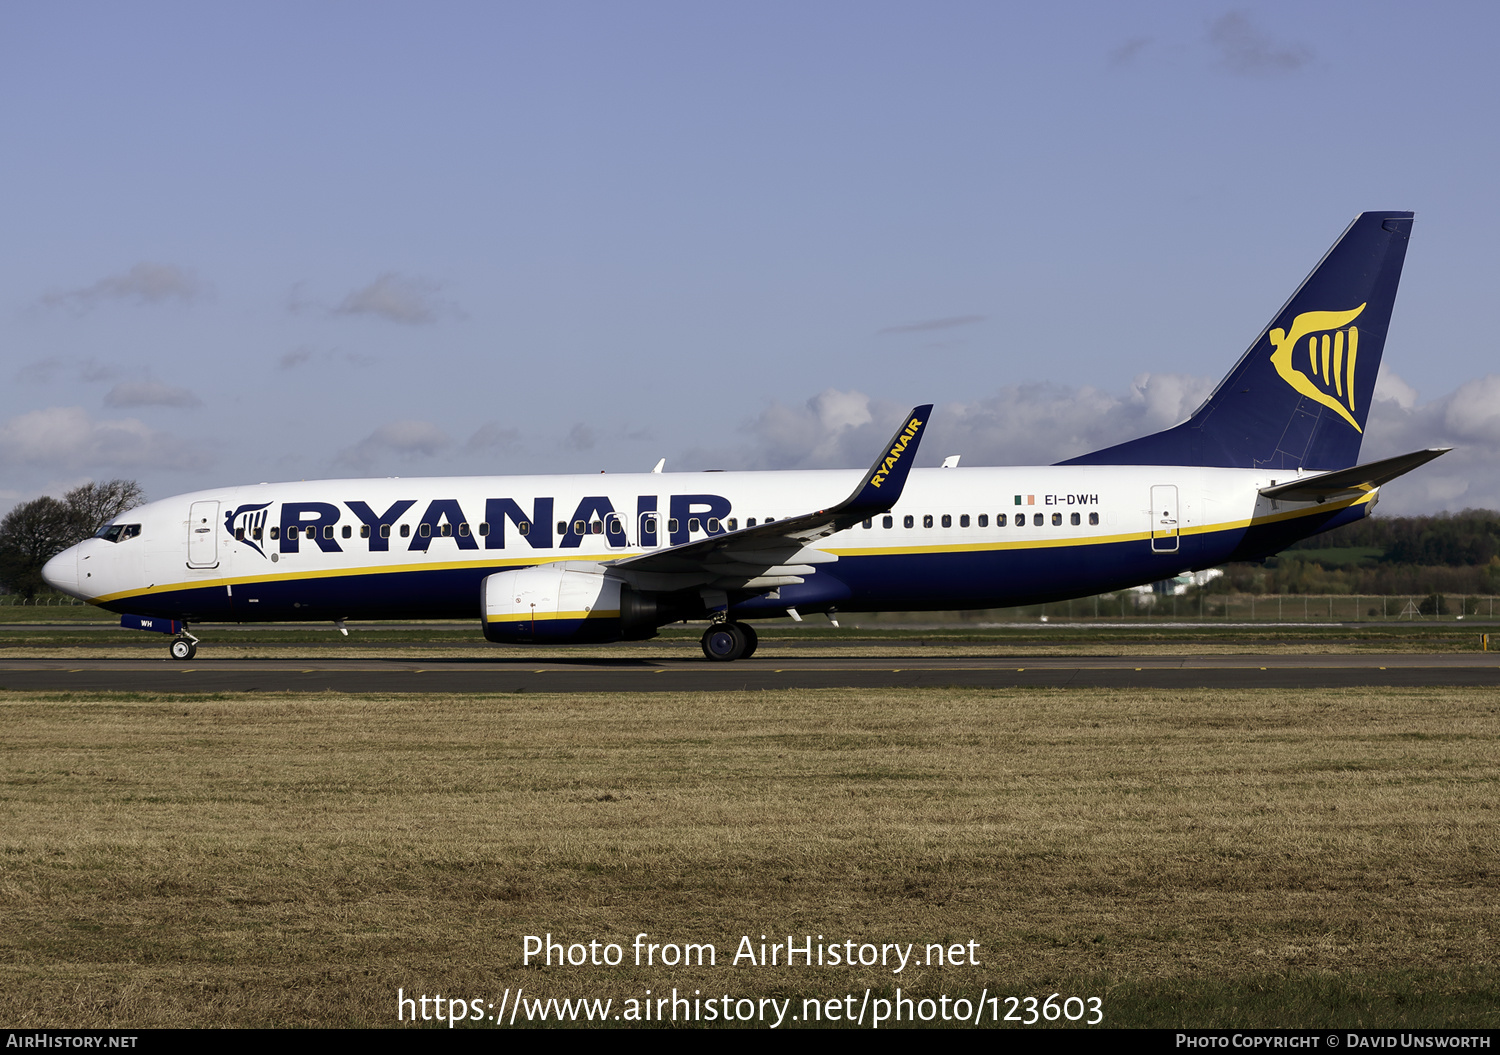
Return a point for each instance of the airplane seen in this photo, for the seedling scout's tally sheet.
(1268, 459)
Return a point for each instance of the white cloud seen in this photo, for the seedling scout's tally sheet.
(145, 283)
(397, 298)
(1390, 387)
(1473, 411)
(66, 438)
(149, 394)
(403, 439)
(492, 436)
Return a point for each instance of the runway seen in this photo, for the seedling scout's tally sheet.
(898, 668)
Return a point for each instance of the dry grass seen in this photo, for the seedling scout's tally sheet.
(1201, 857)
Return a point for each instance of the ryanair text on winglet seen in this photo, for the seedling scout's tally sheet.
(895, 454)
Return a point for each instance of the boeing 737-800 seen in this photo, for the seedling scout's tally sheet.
(1270, 458)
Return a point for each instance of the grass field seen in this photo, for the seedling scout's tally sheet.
(1204, 858)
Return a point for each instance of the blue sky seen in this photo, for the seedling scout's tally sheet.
(284, 241)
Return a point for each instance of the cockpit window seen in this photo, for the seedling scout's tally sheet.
(118, 532)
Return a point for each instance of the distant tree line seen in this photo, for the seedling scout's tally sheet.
(1451, 553)
(1453, 540)
(34, 532)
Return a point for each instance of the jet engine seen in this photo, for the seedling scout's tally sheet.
(563, 603)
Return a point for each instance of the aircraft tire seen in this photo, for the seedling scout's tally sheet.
(723, 642)
(182, 648)
(752, 639)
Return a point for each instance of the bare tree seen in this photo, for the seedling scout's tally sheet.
(94, 505)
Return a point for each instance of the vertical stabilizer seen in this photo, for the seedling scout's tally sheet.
(1300, 396)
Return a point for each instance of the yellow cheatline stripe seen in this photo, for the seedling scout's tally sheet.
(548, 617)
(882, 551)
(372, 569)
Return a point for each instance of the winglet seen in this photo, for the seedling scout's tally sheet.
(881, 486)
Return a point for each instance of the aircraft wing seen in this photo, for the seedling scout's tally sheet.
(1346, 483)
(779, 552)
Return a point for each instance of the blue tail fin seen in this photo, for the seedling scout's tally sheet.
(1299, 397)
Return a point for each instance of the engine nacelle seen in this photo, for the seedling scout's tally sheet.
(561, 603)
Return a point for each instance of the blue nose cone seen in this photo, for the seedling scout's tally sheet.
(61, 572)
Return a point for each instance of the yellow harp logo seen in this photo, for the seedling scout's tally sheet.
(1331, 354)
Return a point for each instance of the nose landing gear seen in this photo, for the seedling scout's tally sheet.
(184, 646)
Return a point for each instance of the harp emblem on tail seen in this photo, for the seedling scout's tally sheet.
(1318, 357)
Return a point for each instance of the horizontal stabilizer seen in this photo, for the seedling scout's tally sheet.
(1345, 483)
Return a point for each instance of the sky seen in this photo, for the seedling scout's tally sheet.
(295, 241)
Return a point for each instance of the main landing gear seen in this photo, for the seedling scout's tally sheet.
(725, 641)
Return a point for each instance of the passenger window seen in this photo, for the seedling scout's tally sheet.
(578, 527)
(445, 530)
(750, 522)
(1075, 519)
(927, 520)
(733, 524)
(596, 528)
(963, 521)
(425, 530)
(713, 525)
(405, 530)
(649, 525)
(257, 534)
(364, 531)
(868, 524)
(463, 529)
(239, 534)
(1021, 519)
(562, 527)
(1094, 518)
(524, 528)
(291, 532)
(947, 520)
(692, 524)
(984, 520)
(385, 531)
(887, 522)
(328, 531)
(908, 521)
(1056, 519)
(274, 533)
(672, 526)
(1036, 520)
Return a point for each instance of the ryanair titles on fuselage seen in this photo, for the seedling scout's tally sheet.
(299, 523)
